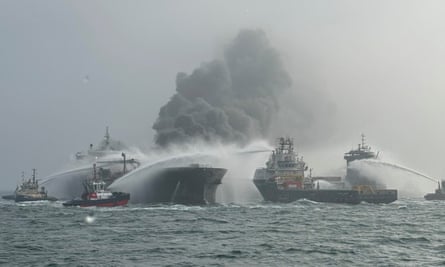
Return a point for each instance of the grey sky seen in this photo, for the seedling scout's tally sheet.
(380, 63)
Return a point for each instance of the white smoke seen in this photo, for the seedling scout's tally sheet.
(408, 182)
(237, 185)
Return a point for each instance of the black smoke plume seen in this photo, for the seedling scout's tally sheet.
(233, 100)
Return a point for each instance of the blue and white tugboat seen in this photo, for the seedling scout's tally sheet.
(97, 195)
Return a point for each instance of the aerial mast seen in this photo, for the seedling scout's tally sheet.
(33, 176)
(107, 137)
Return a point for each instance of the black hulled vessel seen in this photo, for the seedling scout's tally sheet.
(193, 184)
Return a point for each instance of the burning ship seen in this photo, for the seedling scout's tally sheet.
(284, 180)
(172, 181)
(111, 162)
(189, 184)
(192, 185)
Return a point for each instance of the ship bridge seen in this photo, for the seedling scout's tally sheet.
(362, 152)
(284, 160)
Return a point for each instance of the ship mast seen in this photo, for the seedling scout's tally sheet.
(107, 137)
(33, 176)
(94, 172)
(125, 163)
(364, 146)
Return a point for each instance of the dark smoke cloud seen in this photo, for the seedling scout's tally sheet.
(234, 99)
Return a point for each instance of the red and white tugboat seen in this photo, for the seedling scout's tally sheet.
(97, 195)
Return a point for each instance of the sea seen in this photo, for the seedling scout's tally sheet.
(408, 232)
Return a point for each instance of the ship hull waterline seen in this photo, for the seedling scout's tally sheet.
(176, 185)
(271, 193)
(435, 196)
(120, 199)
(26, 198)
(9, 197)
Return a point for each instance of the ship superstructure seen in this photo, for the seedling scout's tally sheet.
(96, 194)
(439, 194)
(106, 147)
(112, 162)
(362, 152)
(354, 177)
(369, 187)
(193, 184)
(284, 180)
(29, 190)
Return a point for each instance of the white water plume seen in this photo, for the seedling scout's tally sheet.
(323, 184)
(237, 185)
(67, 184)
(409, 182)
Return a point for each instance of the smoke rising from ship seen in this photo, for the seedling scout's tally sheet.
(245, 95)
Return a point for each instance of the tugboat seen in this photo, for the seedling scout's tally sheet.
(369, 189)
(97, 195)
(439, 194)
(29, 191)
(283, 179)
